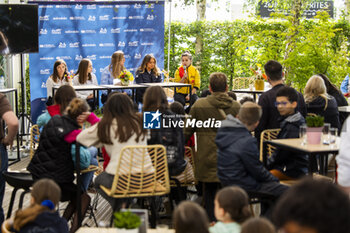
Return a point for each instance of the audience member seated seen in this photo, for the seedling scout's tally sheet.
(270, 115)
(53, 158)
(343, 158)
(62, 98)
(238, 155)
(338, 96)
(313, 206)
(319, 102)
(120, 126)
(232, 95)
(205, 93)
(246, 99)
(148, 72)
(41, 215)
(84, 77)
(189, 217)
(231, 209)
(284, 164)
(344, 87)
(216, 106)
(258, 225)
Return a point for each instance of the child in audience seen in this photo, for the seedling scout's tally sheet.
(258, 225)
(245, 99)
(313, 206)
(189, 217)
(232, 95)
(83, 77)
(231, 209)
(41, 215)
(287, 165)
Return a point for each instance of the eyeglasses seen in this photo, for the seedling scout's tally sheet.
(283, 103)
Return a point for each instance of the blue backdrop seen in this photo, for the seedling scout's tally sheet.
(94, 30)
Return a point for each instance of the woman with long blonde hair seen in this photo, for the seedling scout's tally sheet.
(319, 102)
(111, 73)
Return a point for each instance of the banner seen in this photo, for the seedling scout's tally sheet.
(75, 30)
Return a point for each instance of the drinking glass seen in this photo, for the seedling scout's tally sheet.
(302, 134)
(334, 134)
(326, 134)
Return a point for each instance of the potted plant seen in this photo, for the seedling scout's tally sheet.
(127, 222)
(259, 78)
(314, 128)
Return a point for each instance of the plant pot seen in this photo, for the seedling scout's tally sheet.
(259, 84)
(124, 82)
(123, 230)
(314, 135)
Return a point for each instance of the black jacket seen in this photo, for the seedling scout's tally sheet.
(53, 158)
(341, 101)
(145, 77)
(46, 222)
(270, 114)
(330, 114)
(292, 164)
(238, 157)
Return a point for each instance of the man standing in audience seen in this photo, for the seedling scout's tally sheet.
(11, 121)
(270, 115)
(214, 107)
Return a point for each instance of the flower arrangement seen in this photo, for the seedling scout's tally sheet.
(124, 77)
(258, 74)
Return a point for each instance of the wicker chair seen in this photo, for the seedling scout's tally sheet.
(242, 83)
(266, 135)
(34, 140)
(186, 178)
(142, 172)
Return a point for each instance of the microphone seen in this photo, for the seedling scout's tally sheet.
(185, 70)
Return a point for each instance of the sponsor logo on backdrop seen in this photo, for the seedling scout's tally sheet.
(130, 30)
(103, 31)
(105, 57)
(78, 57)
(150, 5)
(89, 45)
(91, 7)
(62, 45)
(59, 18)
(46, 58)
(105, 6)
(56, 31)
(63, 6)
(133, 43)
(92, 57)
(43, 85)
(45, 71)
(147, 43)
(122, 6)
(136, 17)
(127, 56)
(137, 56)
(47, 46)
(115, 30)
(92, 18)
(150, 17)
(71, 32)
(74, 45)
(147, 30)
(77, 18)
(119, 17)
(101, 70)
(78, 7)
(121, 44)
(64, 57)
(44, 18)
(106, 45)
(104, 17)
(88, 31)
(43, 31)
(45, 6)
(137, 6)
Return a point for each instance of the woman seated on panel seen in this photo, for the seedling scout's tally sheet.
(319, 102)
(83, 77)
(58, 77)
(148, 72)
(111, 74)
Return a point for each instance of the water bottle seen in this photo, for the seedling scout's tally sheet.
(2, 82)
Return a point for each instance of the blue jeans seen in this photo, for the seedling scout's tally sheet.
(3, 167)
(86, 178)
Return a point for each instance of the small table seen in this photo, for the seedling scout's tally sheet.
(120, 87)
(344, 109)
(248, 91)
(114, 230)
(7, 91)
(295, 145)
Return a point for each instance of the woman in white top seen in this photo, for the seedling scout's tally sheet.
(120, 126)
(83, 77)
(58, 78)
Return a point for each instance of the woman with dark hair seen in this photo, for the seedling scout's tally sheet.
(172, 138)
(338, 96)
(120, 126)
(58, 77)
(148, 72)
